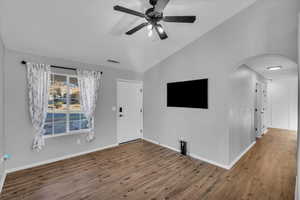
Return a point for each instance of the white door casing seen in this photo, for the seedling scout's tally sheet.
(129, 110)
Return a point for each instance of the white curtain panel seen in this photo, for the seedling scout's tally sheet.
(38, 77)
(89, 82)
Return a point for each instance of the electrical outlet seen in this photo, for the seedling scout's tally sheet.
(5, 157)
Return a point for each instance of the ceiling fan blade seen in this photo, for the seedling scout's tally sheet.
(128, 11)
(160, 5)
(161, 32)
(180, 19)
(135, 29)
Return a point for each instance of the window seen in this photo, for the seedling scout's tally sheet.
(64, 114)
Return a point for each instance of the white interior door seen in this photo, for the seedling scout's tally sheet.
(258, 110)
(129, 111)
(264, 107)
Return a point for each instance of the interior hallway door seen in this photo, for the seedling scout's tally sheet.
(260, 109)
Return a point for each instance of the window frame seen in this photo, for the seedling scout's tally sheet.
(68, 132)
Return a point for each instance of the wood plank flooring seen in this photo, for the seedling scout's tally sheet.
(141, 171)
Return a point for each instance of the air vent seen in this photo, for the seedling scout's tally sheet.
(113, 61)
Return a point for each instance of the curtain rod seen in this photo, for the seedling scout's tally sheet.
(59, 67)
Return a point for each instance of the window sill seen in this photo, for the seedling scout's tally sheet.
(67, 134)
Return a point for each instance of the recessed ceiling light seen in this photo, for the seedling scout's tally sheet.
(274, 68)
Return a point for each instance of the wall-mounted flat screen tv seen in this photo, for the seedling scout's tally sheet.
(188, 94)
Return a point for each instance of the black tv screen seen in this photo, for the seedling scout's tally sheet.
(188, 94)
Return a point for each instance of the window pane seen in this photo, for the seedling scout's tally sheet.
(60, 127)
(74, 96)
(84, 124)
(48, 129)
(60, 105)
(75, 106)
(49, 118)
(83, 117)
(58, 91)
(74, 121)
(59, 87)
(73, 82)
(74, 116)
(59, 117)
(75, 125)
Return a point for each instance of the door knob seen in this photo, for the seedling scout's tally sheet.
(120, 115)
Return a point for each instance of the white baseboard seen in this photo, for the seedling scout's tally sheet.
(168, 147)
(204, 159)
(209, 161)
(151, 141)
(2, 181)
(265, 131)
(284, 129)
(163, 145)
(58, 159)
(241, 155)
(191, 154)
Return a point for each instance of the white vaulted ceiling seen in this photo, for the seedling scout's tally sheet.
(90, 31)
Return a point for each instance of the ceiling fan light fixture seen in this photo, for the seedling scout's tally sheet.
(153, 16)
(150, 27)
(160, 29)
(150, 33)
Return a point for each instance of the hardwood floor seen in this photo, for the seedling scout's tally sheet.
(142, 170)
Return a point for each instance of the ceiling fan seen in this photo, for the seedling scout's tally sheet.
(153, 16)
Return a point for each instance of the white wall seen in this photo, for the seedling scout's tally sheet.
(216, 55)
(242, 105)
(1, 108)
(283, 103)
(19, 131)
(297, 190)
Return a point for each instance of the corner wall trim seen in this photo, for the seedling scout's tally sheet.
(2, 181)
(59, 159)
(241, 155)
(209, 161)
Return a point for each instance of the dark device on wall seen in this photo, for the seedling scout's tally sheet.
(183, 147)
(188, 94)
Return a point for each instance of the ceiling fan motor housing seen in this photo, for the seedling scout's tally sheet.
(152, 16)
(153, 2)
